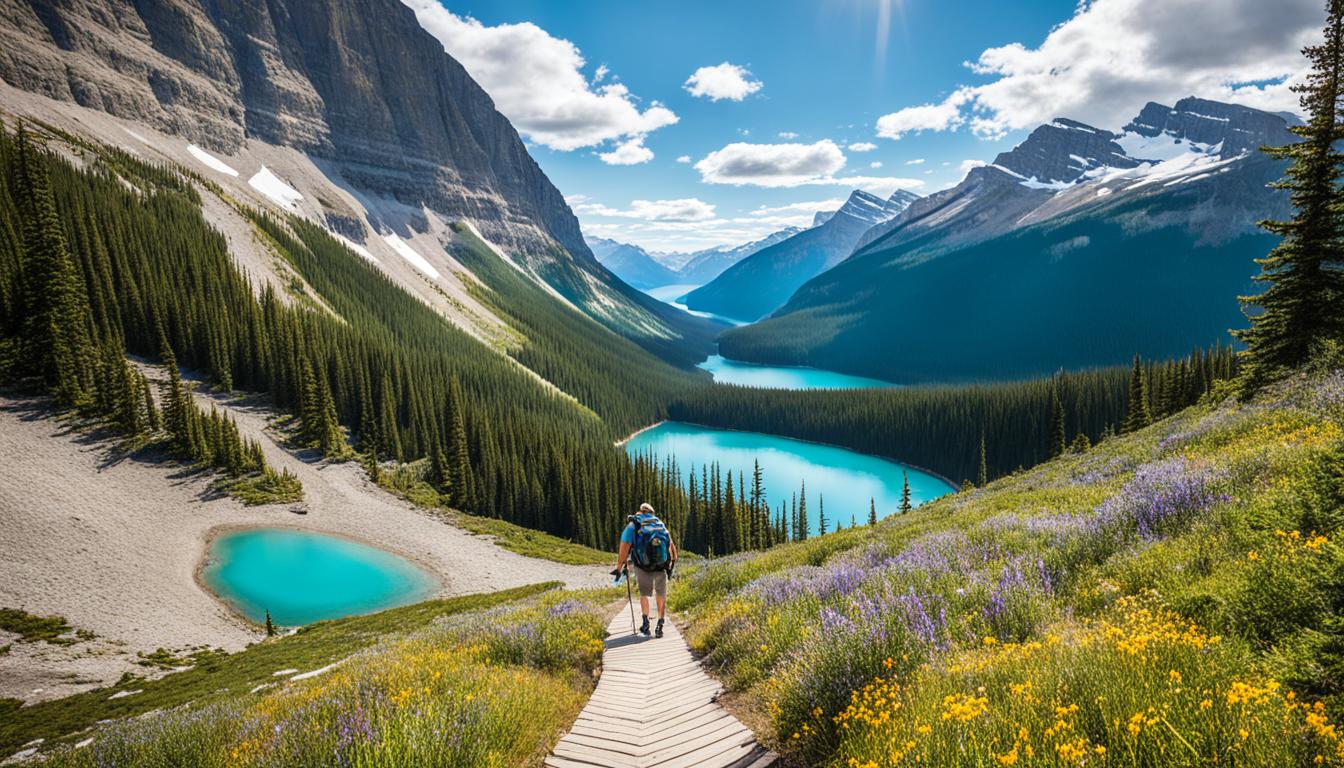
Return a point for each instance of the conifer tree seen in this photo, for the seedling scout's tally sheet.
(803, 523)
(872, 511)
(821, 514)
(1138, 414)
(982, 475)
(1303, 305)
(459, 459)
(1058, 440)
(905, 492)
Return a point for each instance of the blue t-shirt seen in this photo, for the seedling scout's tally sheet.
(628, 535)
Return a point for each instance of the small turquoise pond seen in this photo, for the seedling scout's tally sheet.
(727, 371)
(845, 478)
(303, 577)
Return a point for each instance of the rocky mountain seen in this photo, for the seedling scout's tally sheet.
(645, 269)
(754, 286)
(708, 264)
(631, 263)
(1078, 247)
(358, 91)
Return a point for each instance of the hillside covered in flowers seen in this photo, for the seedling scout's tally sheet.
(1169, 597)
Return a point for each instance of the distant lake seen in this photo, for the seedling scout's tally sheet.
(727, 371)
(845, 478)
(671, 294)
(305, 577)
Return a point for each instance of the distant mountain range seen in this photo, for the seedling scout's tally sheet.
(763, 281)
(644, 269)
(1078, 247)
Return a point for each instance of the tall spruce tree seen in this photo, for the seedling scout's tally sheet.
(1058, 440)
(1303, 305)
(872, 511)
(906, 506)
(982, 474)
(1138, 414)
(821, 514)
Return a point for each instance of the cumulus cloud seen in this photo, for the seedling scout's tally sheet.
(875, 164)
(1113, 56)
(722, 81)
(683, 209)
(790, 165)
(537, 81)
(862, 146)
(629, 152)
(967, 165)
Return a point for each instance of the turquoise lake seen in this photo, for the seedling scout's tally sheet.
(727, 371)
(305, 577)
(670, 294)
(844, 478)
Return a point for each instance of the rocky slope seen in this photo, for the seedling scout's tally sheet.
(1078, 247)
(356, 87)
(754, 286)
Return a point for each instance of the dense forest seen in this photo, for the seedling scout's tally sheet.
(968, 432)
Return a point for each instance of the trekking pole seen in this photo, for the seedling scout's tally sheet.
(629, 598)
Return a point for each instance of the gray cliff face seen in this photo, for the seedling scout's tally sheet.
(357, 83)
(1062, 150)
(1238, 129)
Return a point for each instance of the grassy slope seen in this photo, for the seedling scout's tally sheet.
(231, 676)
(1171, 597)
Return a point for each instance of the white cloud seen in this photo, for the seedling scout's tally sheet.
(925, 117)
(790, 165)
(537, 81)
(788, 135)
(916, 161)
(875, 164)
(722, 81)
(771, 165)
(1112, 56)
(862, 146)
(967, 165)
(629, 152)
(684, 209)
(684, 159)
(806, 206)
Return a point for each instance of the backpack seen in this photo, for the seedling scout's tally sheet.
(653, 544)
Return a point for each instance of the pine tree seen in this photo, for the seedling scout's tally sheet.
(1058, 441)
(459, 459)
(905, 492)
(1137, 415)
(57, 350)
(270, 626)
(1303, 305)
(872, 511)
(982, 475)
(821, 514)
(802, 525)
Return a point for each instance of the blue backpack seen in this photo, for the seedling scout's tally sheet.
(653, 544)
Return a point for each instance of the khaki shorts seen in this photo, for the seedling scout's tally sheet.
(650, 581)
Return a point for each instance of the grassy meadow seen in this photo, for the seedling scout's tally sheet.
(1166, 598)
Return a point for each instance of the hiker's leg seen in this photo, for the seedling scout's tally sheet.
(660, 589)
(646, 587)
(644, 604)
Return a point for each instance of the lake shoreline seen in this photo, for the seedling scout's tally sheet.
(956, 487)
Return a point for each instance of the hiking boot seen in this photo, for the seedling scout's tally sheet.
(644, 628)
(659, 631)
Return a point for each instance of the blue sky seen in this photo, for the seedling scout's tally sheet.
(778, 123)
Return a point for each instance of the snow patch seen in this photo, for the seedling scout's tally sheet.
(316, 672)
(283, 672)
(1012, 173)
(124, 694)
(210, 161)
(1210, 117)
(1033, 183)
(1062, 126)
(272, 186)
(356, 247)
(1163, 146)
(1104, 191)
(405, 251)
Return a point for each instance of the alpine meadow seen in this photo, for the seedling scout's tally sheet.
(941, 384)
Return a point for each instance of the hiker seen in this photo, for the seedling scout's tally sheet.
(646, 544)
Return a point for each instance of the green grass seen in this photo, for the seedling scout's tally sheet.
(31, 628)
(269, 487)
(222, 677)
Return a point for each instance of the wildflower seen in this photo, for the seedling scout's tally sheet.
(1008, 758)
(990, 641)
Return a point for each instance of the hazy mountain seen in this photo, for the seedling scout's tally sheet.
(1078, 247)
(763, 281)
(650, 269)
(376, 144)
(708, 264)
(631, 263)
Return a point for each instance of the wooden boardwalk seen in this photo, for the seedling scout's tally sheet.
(655, 706)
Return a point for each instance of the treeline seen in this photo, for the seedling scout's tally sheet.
(60, 330)
(379, 369)
(967, 432)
